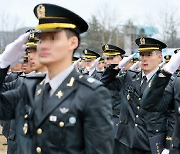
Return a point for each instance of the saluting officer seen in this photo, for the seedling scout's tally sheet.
(159, 95)
(91, 59)
(64, 111)
(136, 126)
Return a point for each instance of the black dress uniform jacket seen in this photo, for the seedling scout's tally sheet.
(77, 118)
(9, 125)
(133, 131)
(163, 97)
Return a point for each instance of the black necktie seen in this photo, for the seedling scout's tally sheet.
(143, 84)
(45, 94)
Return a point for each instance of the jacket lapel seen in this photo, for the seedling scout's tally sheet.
(63, 91)
(136, 82)
(38, 101)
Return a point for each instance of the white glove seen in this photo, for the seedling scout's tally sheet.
(125, 61)
(165, 151)
(135, 65)
(14, 51)
(95, 63)
(161, 65)
(173, 64)
(76, 62)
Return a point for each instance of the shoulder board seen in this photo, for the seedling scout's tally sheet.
(133, 73)
(35, 75)
(89, 81)
(178, 74)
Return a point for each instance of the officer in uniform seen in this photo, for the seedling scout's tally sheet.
(91, 59)
(136, 126)
(159, 96)
(31, 57)
(112, 53)
(64, 111)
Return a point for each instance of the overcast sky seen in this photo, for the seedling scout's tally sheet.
(137, 10)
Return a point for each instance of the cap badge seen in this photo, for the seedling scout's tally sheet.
(106, 47)
(41, 11)
(142, 40)
(85, 52)
(31, 36)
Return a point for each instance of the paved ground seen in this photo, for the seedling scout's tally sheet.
(2, 141)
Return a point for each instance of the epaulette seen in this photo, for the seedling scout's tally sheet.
(178, 74)
(133, 73)
(89, 81)
(35, 75)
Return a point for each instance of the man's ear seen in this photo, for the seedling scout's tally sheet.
(73, 42)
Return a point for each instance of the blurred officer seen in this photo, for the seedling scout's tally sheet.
(62, 112)
(112, 53)
(91, 59)
(136, 126)
(31, 58)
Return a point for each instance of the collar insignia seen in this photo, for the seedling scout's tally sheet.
(71, 82)
(59, 94)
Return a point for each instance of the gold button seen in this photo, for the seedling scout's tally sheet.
(138, 107)
(136, 125)
(38, 150)
(179, 110)
(25, 116)
(39, 131)
(137, 116)
(61, 124)
(139, 99)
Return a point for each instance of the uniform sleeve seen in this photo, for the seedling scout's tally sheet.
(98, 124)
(110, 80)
(8, 98)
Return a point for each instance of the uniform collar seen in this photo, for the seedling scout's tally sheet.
(149, 76)
(56, 81)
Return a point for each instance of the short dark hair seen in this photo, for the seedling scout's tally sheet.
(71, 33)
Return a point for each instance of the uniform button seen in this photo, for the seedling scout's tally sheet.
(172, 145)
(116, 124)
(139, 99)
(157, 130)
(136, 125)
(138, 107)
(137, 116)
(25, 116)
(38, 150)
(61, 124)
(179, 110)
(39, 131)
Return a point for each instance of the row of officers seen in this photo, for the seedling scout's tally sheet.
(59, 105)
